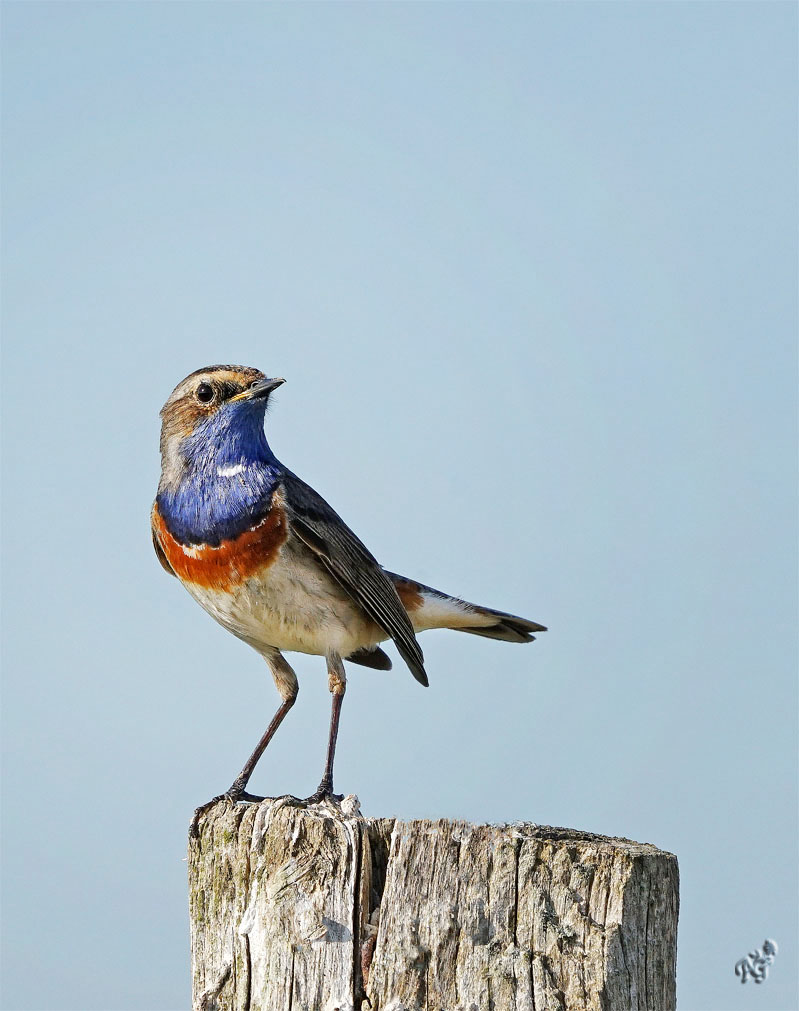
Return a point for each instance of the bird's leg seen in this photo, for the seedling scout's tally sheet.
(286, 681)
(337, 683)
(236, 791)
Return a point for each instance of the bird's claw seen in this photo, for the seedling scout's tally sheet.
(194, 824)
(233, 796)
(323, 793)
(250, 798)
(236, 795)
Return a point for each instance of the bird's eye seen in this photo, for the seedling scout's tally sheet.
(205, 393)
(253, 383)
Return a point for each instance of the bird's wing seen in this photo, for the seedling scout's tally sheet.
(351, 564)
(159, 551)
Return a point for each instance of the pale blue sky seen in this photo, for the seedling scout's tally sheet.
(530, 273)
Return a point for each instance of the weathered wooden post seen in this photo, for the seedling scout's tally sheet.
(319, 909)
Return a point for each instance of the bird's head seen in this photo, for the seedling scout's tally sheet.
(215, 415)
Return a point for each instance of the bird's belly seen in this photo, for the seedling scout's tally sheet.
(292, 605)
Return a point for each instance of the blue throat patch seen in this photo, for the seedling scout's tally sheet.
(229, 479)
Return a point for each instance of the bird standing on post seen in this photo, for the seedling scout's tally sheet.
(269, 559)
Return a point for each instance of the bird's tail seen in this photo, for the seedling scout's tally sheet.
(429, 608)
(498, 625)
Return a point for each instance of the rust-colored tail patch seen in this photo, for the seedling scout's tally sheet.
(409, 593)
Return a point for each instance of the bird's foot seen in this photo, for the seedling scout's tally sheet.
(251, 798)
(234, 795)
(237, 794)
(324, 792)
(194, 824)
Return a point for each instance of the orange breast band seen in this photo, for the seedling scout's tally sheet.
(233, 561)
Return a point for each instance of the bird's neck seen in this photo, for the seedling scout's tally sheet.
(227, 476)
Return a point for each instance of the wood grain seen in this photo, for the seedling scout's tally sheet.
(321, 909)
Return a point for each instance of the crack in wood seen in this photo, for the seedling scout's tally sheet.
(248, 966)
(207, 1000)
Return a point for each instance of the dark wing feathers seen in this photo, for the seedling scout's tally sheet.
(352, 565)
(159, 551)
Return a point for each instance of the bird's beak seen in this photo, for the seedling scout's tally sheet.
(259, 390)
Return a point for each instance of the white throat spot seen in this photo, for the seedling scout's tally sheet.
(230, 471)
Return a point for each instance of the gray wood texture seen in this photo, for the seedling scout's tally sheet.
(319, 909)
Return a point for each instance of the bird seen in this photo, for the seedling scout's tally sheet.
(268, 558)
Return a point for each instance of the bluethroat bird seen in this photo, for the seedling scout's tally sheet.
(269, 559)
